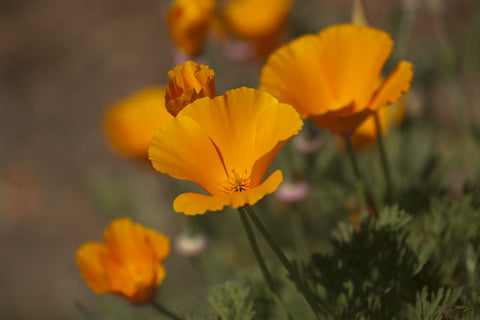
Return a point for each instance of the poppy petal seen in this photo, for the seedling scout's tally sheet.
(196, 203)
(352, 57)
(183, 150)
(394, 86)
(294, 75)
(89, 261)
(159, 243)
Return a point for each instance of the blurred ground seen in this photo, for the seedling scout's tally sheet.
(61, 64)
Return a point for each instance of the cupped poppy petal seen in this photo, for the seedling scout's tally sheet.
(89, 260)
(293, 74)
(131, 263)
(196, 203)
(245, 124)
(394, 86)
(126, 241)
(183, 150)
(159, 243)
(352, 57)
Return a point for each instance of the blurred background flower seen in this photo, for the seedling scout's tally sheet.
(189, 22)
(131, 123)
(261, 23)
(128, 263)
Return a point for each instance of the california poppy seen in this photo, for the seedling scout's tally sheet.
(188, 82)
(188, 22)
(127, 263)
(331, 77)
(264, 27)
(225, 145)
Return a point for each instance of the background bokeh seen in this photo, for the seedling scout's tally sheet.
(62, 63)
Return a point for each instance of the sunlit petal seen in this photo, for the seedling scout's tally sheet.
(196, 203)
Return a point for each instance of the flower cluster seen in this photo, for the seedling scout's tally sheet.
(226, 143)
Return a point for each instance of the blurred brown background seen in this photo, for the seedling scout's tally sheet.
(61, 64)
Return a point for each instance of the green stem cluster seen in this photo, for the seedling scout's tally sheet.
(384, 161)
(261, 262)
(283, 259)
(362, 186)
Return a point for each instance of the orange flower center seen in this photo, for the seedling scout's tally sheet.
(238, 182)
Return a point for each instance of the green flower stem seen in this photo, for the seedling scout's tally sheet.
(384, 161)
(364, 191)
(165, 311)
(261, 261)
(283, 259)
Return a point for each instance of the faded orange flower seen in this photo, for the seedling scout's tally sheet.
(127, 263)
(188, 82)
(188, 22)
(261, 22)
(225, 145)
(130, 124)
(331, 77)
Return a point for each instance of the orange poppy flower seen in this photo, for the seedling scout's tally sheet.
(264, 26)
(225, 145)
(130, 124)
(128, 263)
(188, 82)
(188, 22)
(331, 77)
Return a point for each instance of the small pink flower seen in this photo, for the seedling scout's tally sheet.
(289, 192)
(306, 144)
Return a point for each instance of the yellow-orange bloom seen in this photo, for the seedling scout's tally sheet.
(258, 21)
(331, 77)
(128, 263)
(188, 22)
(225, 145)
(130, 124)
(188, 82)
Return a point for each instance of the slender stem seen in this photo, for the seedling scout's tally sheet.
(384, 161)
(165, 311)
(283, 259)
(364, 191)
(261, 261)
